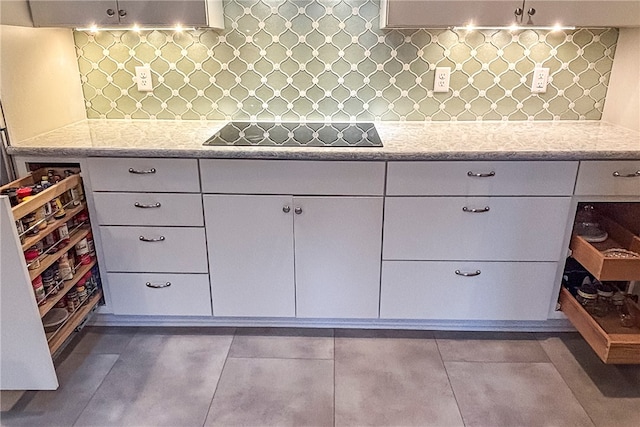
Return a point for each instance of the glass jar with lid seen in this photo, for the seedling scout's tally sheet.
(588, 297)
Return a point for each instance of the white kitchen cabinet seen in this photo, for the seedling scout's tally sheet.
(110, 13)
(447, 13)
(166, 209)
(489, 291)
(333, 272)
(502, 229)
(250, 243)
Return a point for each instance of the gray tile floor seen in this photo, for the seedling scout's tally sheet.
(306, 377)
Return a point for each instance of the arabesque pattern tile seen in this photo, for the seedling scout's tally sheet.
(328, 60)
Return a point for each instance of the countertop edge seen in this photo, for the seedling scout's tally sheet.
(324, 154)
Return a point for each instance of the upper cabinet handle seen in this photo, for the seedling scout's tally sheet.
(111, 12)
(139, 205)
(159, 239)
(132, 170)
(629, 175)
(481, 175)
(466, 209)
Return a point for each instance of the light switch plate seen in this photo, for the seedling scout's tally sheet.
(143, 77)
(540, 80)
(441, 81)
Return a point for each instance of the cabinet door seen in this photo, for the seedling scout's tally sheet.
(584, 13)
(445, 13)
(26, 362)
(250, 243)
(164, 12)
(338, 247)
(60, 13)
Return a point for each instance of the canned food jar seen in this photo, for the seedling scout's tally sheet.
(38, 290)
(31, 256)
(588, 296)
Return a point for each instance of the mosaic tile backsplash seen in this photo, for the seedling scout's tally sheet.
(321, 60)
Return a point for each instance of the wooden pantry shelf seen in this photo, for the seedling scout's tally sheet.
(53, 299)
(70, 213)
(45, 196)
(48, 260)
(591, 256)
(612, 343)
(60, 336)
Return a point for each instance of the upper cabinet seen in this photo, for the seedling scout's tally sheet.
(127, 13)
(447, 13)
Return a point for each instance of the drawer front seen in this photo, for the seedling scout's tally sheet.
(149, 209)
(496, 178)
(140, 174)
(433, 290)
(177, 250)
(437, 228)
(292, 177)
(609, 178)
(165, 294)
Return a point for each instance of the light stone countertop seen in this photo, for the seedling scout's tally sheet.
(558, 140)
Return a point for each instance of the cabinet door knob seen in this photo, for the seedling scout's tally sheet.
(157, 239)
(111, 12)
(122, 13)
(142, 172)
(298, 210)
(158, 286)
(286, 209)
(518, 11)
(468, 274)
(531, 12)
(474, 210)
(481, 175)
(628, 175)
(140, 205)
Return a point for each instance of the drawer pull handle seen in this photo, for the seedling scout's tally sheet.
(629, 175)
(297, 210)
(474, 273)
(159, 239)
(158, 286)
(139, 205)
(473, 210)
(132, 170)
(481, 175)
(286, 209)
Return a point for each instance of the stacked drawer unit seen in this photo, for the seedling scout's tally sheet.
(153, 238)
(473, 240)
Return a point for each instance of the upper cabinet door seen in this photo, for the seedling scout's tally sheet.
(447, 13)
(164, 12)
(73, 13)
(583, 13)
(126, 13)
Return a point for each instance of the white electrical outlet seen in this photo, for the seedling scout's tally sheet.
(540, 80)
(441, 81)
(143, 76)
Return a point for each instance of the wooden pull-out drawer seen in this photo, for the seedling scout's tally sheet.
(591, 255)
(611, 342)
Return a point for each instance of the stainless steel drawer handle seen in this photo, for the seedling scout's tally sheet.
(473, 210)
(159, 239)
(132, 170)
(465, 274)
(139, 205)
(481, 175)
(158, 286)
(629, 175)
(297, 210)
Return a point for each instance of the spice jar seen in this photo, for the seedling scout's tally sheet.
(31, 256)
(604, 304)
(588, 296)
(90, 245)
(63, 234)
(81, 289)
(23, 192)
(12, 193)
(49, 281)
(73, 301)
(30, 227)
(66, 272)
(38, 290)
(82, 251)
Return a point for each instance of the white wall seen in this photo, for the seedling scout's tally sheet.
(622, 105)
(39, 80)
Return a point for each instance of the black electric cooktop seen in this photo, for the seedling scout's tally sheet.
(290, 134)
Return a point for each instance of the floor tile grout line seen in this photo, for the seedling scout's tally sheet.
(568, 386)
(281, 358)
(206, 416)
(444, 365)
